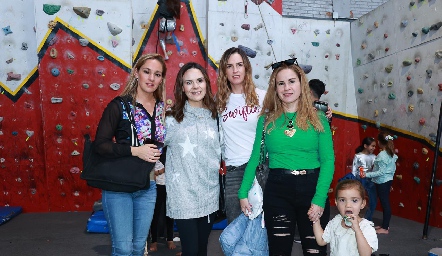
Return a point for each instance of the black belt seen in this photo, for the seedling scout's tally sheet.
(295, 172)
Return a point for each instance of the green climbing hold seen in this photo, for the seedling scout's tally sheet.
(406, 62)
(360, 90)
(70, 71)
(59, 127)
(391, 96)
(315, 44)
(425, 30)
(51, 9)
(389, 68)
(358, 62)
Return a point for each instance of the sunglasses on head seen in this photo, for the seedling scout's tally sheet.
(288, 62)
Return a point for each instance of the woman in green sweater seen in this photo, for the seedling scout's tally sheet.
(299, 145)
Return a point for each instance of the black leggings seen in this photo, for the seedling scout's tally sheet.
(160, 215)
(287, 198)
(194, 235)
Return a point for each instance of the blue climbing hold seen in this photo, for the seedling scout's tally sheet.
(55, 72)
(7, 30)
(249, 52)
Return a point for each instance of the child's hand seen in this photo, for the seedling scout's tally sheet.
(354, 221)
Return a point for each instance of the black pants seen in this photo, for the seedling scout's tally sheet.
(287, 199)
(383, 191)
(159, 216)
(194, 235)
(233, 182)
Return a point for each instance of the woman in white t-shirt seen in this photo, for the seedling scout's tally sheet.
(239, 103)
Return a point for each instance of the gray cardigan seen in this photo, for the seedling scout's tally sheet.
(192, 165)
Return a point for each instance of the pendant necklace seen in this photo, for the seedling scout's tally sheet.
(290, 130)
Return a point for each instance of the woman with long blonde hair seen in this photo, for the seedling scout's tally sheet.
(299, 145)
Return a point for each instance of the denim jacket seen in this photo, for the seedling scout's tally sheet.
(383, 169)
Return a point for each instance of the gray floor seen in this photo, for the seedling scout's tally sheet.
(48, 234)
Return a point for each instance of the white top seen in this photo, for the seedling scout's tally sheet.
(343, 240)
(238, 123)
(160, 179)
(364, 161)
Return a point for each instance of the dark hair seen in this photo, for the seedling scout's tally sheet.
(177, 110)
(350, 184)
(386, 140)
(366, 141)
(317, 87)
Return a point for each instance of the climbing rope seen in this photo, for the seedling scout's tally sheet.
(268, 38)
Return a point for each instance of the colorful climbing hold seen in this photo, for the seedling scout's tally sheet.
(99, 12)
(59, 127)
(51, 9)
(315, 44)
(429, 73)
(83, 41)
(358, 62)
(406, 62)
(417, 179)
(364, 127)
(53, 53)
(83, 12)
(424, 151)
(422, 121)
(114, 29)
(425, 30)
(360, 90)
(415, 34)
(249, 52)
(389, 68)
(411, 107)
(410, 93)
(55, 72)
(404, 23)
(7, 30)
(100, 58)
(245, 26)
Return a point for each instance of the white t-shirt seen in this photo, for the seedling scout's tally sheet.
(364, 161)
(238, 122)
(343, 240)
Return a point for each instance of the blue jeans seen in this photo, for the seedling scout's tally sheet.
(245, 237)
(370, 187)
(383, 191)
(129, 216)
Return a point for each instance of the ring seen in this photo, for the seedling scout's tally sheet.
(154, 154)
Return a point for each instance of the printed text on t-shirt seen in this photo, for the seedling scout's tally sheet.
(243, 111)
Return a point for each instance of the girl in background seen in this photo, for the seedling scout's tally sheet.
(382, 175)
(348, 233)
(363, 162)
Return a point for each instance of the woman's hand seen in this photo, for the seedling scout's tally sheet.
(246, 207)
(329, 113)
(315, 212)
(148, 152)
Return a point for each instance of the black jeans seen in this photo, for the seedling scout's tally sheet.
(233, 182)
(383, 191)
(287, 199)
(159, 216)
(194, 235)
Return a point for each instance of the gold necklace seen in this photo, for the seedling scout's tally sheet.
(290, 130)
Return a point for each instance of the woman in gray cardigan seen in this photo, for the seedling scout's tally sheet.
(193, 159)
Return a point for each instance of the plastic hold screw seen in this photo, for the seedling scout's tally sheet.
(389, 68)
(425, 30)
(55, 72)
(83, 12)
(114, 29)
(59, 127)
(51, 9)
(422, 121)
(83, 41)
(7, 30)
(24, 46)
(56, 100)
(417, 179)
(115, 86)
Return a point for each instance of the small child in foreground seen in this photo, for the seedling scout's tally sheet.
(347, 233)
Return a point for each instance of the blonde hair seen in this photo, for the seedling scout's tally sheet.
(132, 83)
(306, 112)
(224, 86)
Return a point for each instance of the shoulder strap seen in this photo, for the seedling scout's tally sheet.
(262, 156)
(134, 138)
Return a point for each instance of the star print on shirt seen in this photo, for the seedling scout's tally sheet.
(188, 147)
(170, 122)
(210, 133)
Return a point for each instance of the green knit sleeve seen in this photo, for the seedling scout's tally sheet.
(327, 160)
(249, 174)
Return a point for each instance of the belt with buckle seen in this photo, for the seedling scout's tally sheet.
(295, 172)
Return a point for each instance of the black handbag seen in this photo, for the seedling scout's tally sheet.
(122, 174)
(262, 170)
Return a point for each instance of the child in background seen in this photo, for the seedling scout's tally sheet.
(382, 175)
(347, 233)
(363, 162)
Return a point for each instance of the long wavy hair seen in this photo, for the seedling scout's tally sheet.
(386, 141)
(224, 86)
(132, 83)
(306, 112)
(177, 110)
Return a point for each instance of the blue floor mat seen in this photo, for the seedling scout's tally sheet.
(9, 212)
(97, 223)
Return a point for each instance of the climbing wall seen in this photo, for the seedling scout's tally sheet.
(397, 61)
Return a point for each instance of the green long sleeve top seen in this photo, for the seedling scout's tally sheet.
(307, 149)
